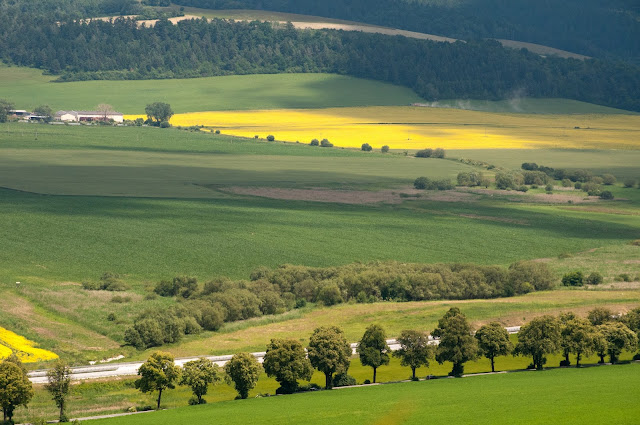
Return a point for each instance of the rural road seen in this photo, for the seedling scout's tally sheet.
(131, 368)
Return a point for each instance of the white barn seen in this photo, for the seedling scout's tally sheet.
(88, 116)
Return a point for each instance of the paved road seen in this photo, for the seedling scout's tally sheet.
(131, 368)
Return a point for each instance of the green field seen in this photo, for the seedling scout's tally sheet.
(90, 398)
(151, 204)
(612, 392)
(28, 88)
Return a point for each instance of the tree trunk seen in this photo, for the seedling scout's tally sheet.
(578, 359)
(413, 373)
(4, 415)
(493, 368)
(566, 357)
(159, 395)
(327, 381)
(601, 358)
(374, 374)
(61, 410)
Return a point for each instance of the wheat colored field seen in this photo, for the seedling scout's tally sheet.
(405, 127)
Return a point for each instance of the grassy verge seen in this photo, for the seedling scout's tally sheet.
(609, 389)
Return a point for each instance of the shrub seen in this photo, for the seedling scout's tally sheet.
(118, 299)
(256, 137)
(508, 180)
(529, 166)
(384, 149)
(217, 131)
(629, 182)
(315, 142)
(271, 138)
(522, 188)
(343, 380)
(421, 183)
(575, 278)
(577, 185)
(366, 147)
(566, 183)
(326, 143)
(597, 180)
(111, 317)
(606, 194)
(439, 153)
(424, 153)
(608, 179)
(471, 179)
(549, 188)
(623, 277)
(165, 124)
(594, 278)
(535, 177)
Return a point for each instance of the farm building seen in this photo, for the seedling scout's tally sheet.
(86, 116)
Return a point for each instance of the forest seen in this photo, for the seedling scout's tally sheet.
(608, 29)
(480, 69)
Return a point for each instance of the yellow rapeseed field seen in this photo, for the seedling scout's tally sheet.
(402, 127)
(24, 349)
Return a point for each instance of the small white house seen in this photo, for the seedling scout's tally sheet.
(88, 116)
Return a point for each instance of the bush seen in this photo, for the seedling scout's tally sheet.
(608, 179)
(119, 300)
(628, 182)
(575, 278)
(471, 179)
(111, 317)
(366, 382)
(324, 143)
(577, 185)
(548, 188)
(535, 177)
(366, 147)
(529, 166)
(421, 183)
(522, 188)
(566, 183)
(596, 180)
(508, 180)
(315, 142)
(343, 380)
(606, 194)
(384, 149)
(424, 153)
(217, 131)
(594, 278)
(165, 124)
(439, 153)
(623, 277)
(271, 138)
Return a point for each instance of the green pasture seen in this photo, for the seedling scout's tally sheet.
(528, 105)
(565, 395)
(621, 163)
(28, 88)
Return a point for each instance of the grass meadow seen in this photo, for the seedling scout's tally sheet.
(28, 88)
(505, 398)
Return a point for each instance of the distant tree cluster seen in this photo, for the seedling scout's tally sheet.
(567, 25)
(208, 306)
(426, 183)
(431, 153)
(479, 69)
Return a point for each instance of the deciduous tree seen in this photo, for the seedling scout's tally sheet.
(414, 350)
(199, 374)
(158, 373)
(58, 384)
(578, 337)
(15, 387)
(242, 371)
(457, 344)
(619, 337)
(537, 338)
(329, 352)
(373, 348)
(493, 340)
(600, 315)
(158, 111)
(286, 361)
(5, 107)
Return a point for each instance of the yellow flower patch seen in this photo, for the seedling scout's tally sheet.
(407, 127)
(24, 349)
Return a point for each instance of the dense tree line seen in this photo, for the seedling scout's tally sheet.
(193, 48)
(274, 291)
(601, 28)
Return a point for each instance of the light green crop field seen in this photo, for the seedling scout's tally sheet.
(583, 396)
(28, 88)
